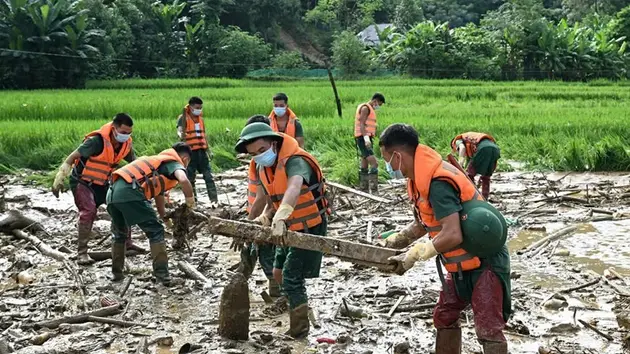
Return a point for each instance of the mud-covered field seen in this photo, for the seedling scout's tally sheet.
(562, 304)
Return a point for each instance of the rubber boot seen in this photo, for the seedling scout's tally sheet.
(84, 232)
(160, 263)
(118, 261)
(495, 348)
(485, 186)
(448, 341)
(274, 288)
(373, 180)
(363, 180)
(298, 322)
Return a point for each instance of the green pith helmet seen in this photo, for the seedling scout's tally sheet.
(483, 228)
(252, 132)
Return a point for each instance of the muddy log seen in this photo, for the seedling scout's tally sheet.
(193, 273)
(234, 309)
(358, 192)
(15, 220)
(554, 236)
(84, 317)
(346, 250)
(41, 246)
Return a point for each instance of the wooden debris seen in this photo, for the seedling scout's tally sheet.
(368, 234)
(193, 273)
(313, 318)
(358, 192)
(619, 276)
(40, 245)
(393, 309)
(596, 330)
(105, 311)
(116, 322)
(579, 287)
(234, 309)
(17, 221)
(125, 286)
(554, 236)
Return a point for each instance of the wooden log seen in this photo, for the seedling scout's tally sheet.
(16, 221)
(579, 287)
(40, 245)
(234, 309)
(193, 273)
(596, 330)
(358, 192)
(393, 309)
(619, 276)
(556, 235)
(125, 286)
(105, 255)
(353, 252)
(114, 321)
(105, 311)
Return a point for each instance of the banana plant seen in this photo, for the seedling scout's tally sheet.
(80, 38)
(50, 17)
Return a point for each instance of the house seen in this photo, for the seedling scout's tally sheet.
(369, 36)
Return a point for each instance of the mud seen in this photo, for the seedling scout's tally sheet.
(536, 204)
(234, 309)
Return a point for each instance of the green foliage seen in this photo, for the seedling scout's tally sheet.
(349, 54)
(621, 24)
(289, 60)
(408, 14)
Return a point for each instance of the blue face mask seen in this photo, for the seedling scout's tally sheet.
(395, 174)
(121, 138)
(267, 158)
(280, 111)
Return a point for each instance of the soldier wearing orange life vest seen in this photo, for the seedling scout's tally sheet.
(440, 192)
(191, 130)
(481, 153)
(283, 120)
(294, 187)
(90, 167)
(364, 133)
(129, 203)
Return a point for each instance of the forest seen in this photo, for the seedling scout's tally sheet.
(64, 43)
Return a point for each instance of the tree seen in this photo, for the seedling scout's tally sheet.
(349, 54)
(408, 14)
(577, 10)
(621, 24)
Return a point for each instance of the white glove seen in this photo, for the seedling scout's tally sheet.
(368, 142)
(64, 171)
(190, 202)
(168, 223)
(263, 220)
(278, 225)
(419, 251)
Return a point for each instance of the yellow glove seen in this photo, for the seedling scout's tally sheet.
(64, 171)
(168, 223)
(278, 225)
(190, 202)
(397, 240)
(419, 251)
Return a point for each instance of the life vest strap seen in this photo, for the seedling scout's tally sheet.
(278, 197)
(304, 219)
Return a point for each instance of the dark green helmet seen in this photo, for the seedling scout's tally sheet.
(484, 229)
(253, 132)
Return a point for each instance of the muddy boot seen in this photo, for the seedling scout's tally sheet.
(82, 244)
(364, 185)
(160, 263)
(495, 348)
(448, 341)
(298, 322)
(118, 261)
(373, 180)
(485, 186)
(274, 288)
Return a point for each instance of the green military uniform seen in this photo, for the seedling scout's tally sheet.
(485, 159)
(93, 146)
(445, 201)
(299, 264)
(199, 161)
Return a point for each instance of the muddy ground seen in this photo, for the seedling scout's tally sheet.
(35, 287)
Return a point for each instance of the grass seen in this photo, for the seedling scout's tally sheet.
(548, 125)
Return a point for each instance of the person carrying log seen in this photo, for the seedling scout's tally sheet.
(364, 133)
(481, 153)
(283, 120)
(90, 167)
(293, 184)
(256, 202)
(467, 236)
(128, 203)
(191, 129)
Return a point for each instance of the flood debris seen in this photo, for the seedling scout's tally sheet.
(234, 309)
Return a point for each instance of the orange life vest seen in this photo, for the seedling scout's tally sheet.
(471, 140)
(429, 166)
(289, 129)
(252, 183)
(370, 122)
(308, 209)
(143, 173)
(98, 169)
(191, 138)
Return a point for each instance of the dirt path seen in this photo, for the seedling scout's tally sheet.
(538, 205)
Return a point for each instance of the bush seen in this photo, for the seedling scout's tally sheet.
(240, 52)
(289, 60)
(349, 54)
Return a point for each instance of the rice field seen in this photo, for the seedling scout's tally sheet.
(545, 125)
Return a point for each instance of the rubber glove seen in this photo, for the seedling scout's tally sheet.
(397, 240)
(263, 220)
(190, 202)
(64, 171)
(278, 225)
(419, 251)
(368, 142)
(168, 223)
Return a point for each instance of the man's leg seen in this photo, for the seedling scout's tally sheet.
(266, 255)
(191, 171)
(119, 230)
(294, 285)
(205, 170)
(487, 306)
(84, 200)
(373, 173)
(363, 165)
(446, 320)
(155, 233)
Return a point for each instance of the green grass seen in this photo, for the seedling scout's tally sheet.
(549, 125)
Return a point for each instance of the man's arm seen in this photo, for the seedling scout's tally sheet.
(294, 188)
(160, 205)
(182, 178)
(299, 133)
(461, 149)
(451, 234)
(180, 128)
(131, 156)
(72, 157)
(414, 230)
(259, 204)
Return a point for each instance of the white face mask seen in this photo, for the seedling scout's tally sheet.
(280, 111)
(120, 137)
(196, 112)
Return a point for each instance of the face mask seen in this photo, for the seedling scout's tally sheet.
(395, 174)
(376, 107)
(267, 158)
(196, 112)
(280, 111)
(121, 138)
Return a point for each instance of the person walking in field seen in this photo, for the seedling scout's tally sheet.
(90, 167)
(128, 203)
(481, 153)
(292, 182)
(191, 130)
(256, 202)
(364, 133)
(466, 235)
(283, 120)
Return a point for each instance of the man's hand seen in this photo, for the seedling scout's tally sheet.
(263, 220)
(397, 240)
(210, 154)
(368, 142)
(64, 171)
(419, 251)
(277, 275)
(168, 222)
(237, 245)
(278, 224)
(190, 202)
